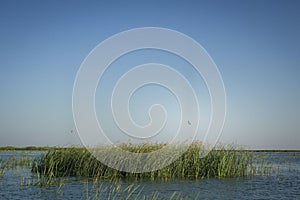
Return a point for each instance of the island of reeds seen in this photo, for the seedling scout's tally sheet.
(222, 162)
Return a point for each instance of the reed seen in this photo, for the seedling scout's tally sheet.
(119, 191)
(2, 169)
(12, 163)
(222, 162)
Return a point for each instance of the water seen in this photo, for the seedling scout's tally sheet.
(282, 183)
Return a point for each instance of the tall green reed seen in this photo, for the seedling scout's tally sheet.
(222, 162)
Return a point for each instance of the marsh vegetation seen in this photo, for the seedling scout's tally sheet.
(223, 162)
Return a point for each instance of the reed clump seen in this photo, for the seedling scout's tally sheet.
(222, 162)
(2, 168)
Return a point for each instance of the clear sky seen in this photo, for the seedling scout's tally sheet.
(255, 44)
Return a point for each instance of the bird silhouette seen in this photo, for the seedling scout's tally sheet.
(189, 123)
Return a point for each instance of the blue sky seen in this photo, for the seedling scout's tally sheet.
(255, 44)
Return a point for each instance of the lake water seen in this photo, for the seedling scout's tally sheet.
(283, 182)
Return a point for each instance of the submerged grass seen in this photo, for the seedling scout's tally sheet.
(12, 163)
(119, 191)
(223, 162)
(2, 168)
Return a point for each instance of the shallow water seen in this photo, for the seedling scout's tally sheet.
(283, 182)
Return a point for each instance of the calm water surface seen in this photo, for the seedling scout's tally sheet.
(282, 183)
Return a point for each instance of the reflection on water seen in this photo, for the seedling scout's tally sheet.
(282, 183)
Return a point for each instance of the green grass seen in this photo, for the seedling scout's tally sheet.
(225, 162)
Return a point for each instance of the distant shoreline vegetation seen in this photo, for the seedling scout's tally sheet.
(30, 148)
(46, 148)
